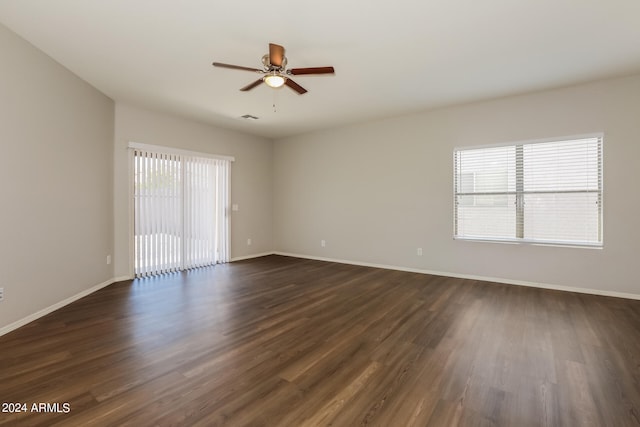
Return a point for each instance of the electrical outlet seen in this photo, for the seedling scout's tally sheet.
(108, 259)
(419, 252)
(248, 242)
(1, 294)
(323, 243)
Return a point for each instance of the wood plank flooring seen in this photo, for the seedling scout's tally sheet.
(279, 341)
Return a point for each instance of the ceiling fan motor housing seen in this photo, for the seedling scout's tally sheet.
(266, 61)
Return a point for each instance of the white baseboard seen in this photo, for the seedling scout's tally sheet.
(472, 277)
(30, 318)
(240, 258)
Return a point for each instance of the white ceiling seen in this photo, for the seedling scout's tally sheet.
(391, 57)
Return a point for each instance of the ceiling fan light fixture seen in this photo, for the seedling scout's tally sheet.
(274, 80)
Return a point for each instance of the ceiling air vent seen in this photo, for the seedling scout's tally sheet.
(249, 117)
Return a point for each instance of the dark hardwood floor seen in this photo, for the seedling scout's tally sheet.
(279, 341)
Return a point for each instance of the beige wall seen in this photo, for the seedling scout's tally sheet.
(378, 191)
(56, 136)
(375, 192)
(251, 175)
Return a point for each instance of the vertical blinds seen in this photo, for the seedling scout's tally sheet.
(547, 192)
(180, 212)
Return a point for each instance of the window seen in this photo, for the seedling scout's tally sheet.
(180, 211)
(542, 192)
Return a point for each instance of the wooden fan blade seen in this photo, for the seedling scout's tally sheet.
(251, 85)
(234, 67)
(276, 53)
(295, 86)
(312, 70)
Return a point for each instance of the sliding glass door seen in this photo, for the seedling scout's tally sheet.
(180, 211)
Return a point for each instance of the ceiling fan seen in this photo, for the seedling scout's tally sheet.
(274, 72)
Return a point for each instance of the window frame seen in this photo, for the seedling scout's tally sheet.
(520, 194)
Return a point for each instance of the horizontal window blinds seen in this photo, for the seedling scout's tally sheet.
(547, 192)
(180, 211)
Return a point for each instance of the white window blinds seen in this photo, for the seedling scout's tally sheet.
(180, 211)
(548, 192)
